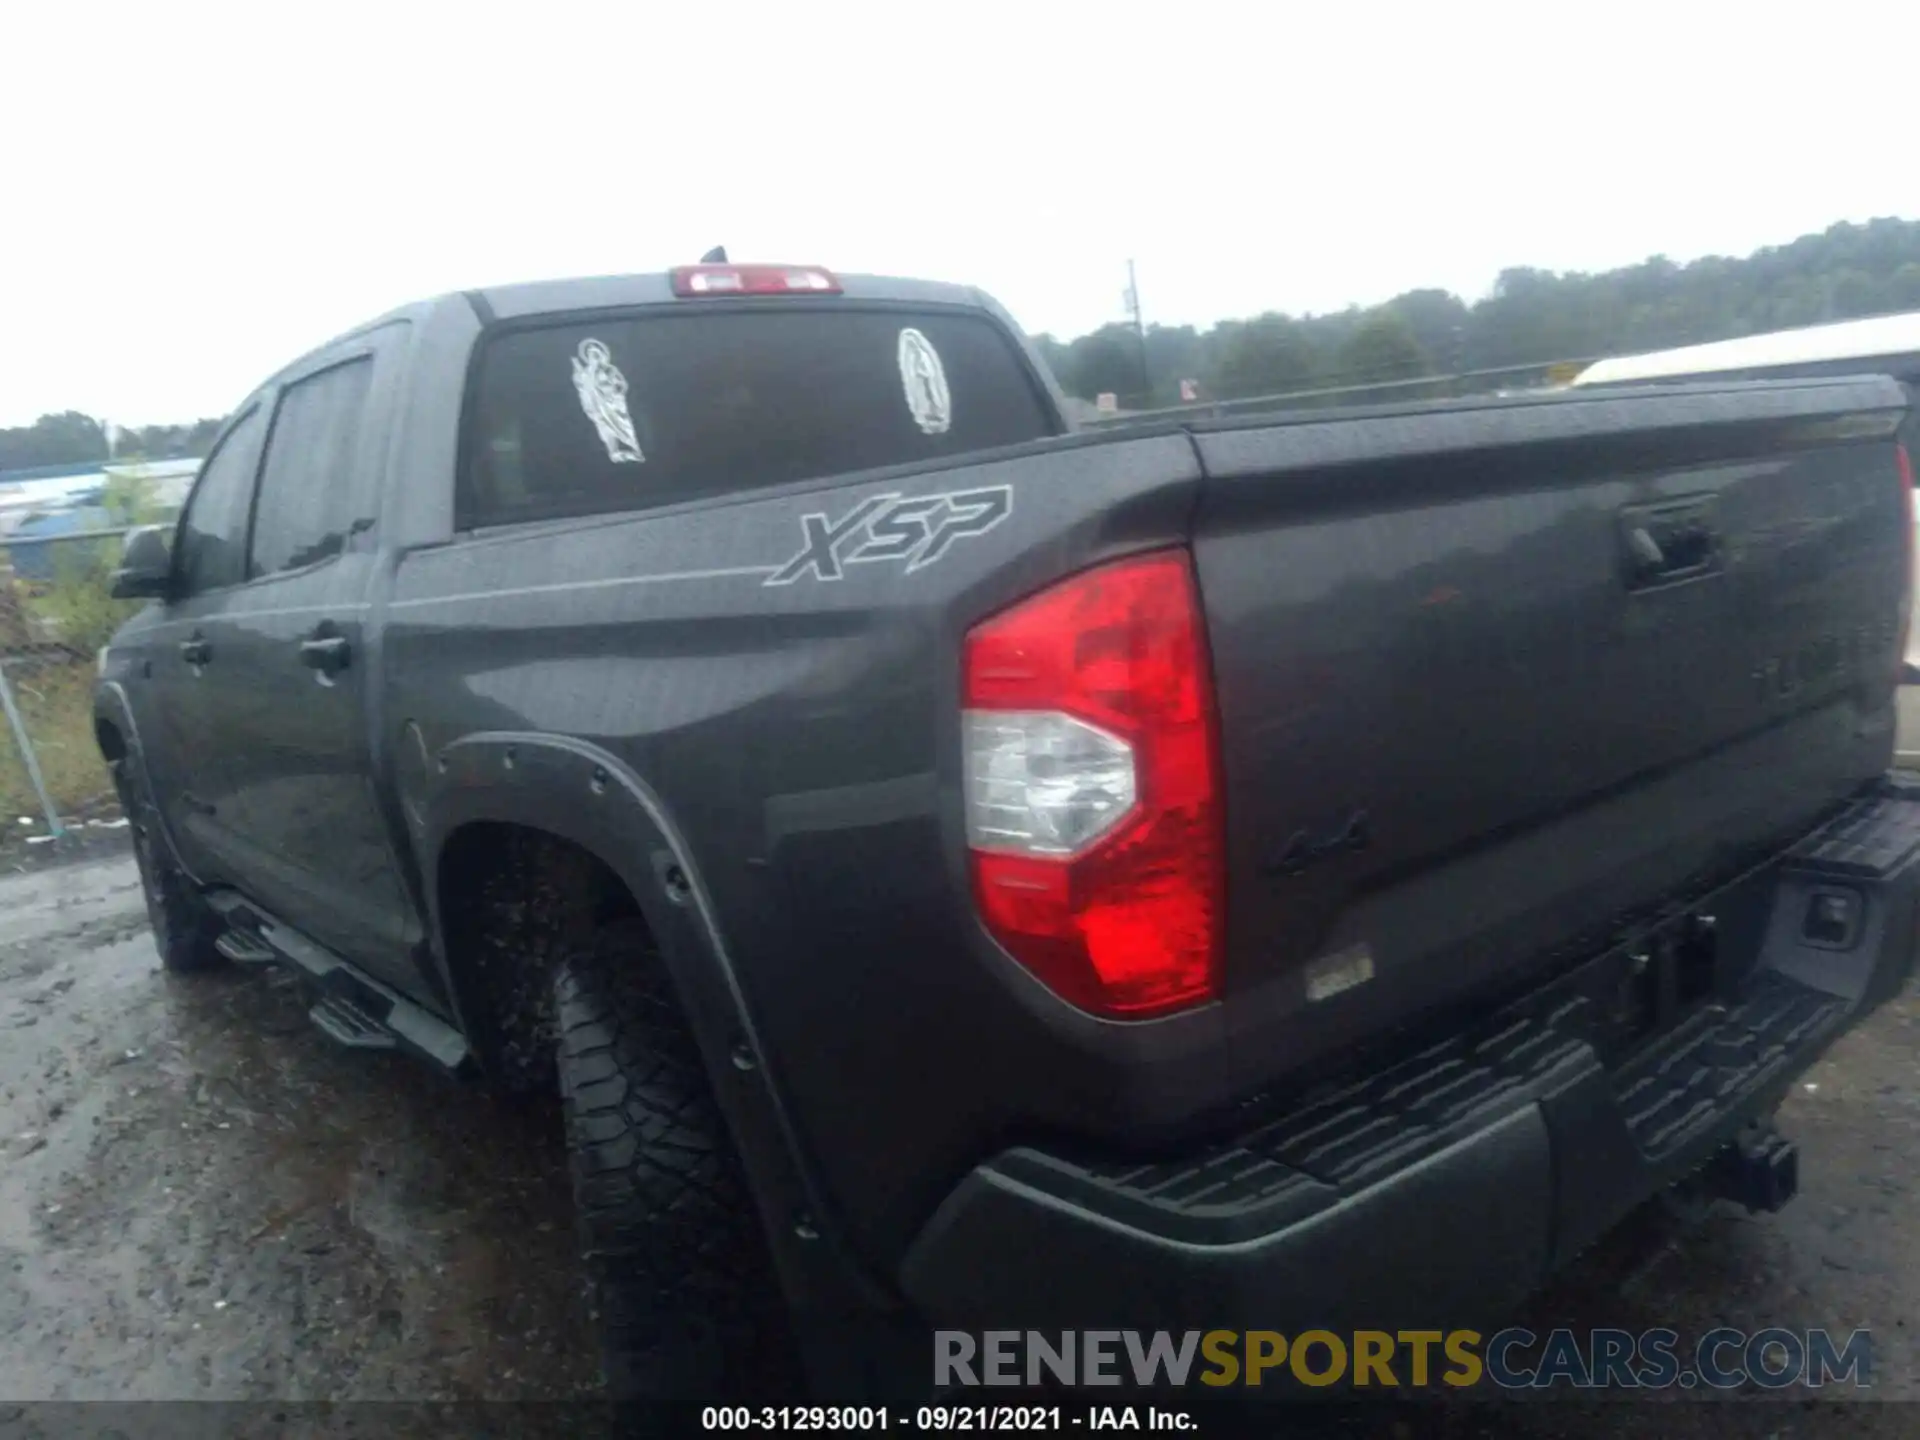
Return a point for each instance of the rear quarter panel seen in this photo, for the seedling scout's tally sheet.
(801, 729)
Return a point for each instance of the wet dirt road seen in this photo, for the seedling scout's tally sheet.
(202, 1198)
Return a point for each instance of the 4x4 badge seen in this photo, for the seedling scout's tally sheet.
(917, 531)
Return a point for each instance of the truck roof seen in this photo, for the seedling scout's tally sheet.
(602, 292)
(539, 297)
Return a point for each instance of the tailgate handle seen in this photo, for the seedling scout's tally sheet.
(1669, 542)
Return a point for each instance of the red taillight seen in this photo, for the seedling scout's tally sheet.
(753, 280)
(1911, 519)
(1905, 462)
(1093, 788)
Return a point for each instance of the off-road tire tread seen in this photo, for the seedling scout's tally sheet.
(185, 937)
(674, 1253)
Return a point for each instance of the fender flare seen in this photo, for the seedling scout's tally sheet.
(583, 794)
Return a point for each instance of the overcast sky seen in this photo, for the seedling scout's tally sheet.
(196, 193)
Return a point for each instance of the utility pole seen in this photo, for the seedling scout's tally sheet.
(1140, 330)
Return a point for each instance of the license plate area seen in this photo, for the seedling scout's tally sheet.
(1669, 970)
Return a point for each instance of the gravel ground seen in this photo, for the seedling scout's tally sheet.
(201, 1198)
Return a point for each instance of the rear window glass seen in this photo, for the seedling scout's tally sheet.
(583, 418)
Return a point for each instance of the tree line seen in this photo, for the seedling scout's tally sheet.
(71, 438)
(1531, 318)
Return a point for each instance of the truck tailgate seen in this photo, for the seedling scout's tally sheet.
(1493, 678)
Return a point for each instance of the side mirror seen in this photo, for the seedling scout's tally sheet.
(146, 569)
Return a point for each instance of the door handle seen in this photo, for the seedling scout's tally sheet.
(196, 651)
(327, 653)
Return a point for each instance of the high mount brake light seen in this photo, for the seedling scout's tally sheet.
(694, 280)
(1092, 782)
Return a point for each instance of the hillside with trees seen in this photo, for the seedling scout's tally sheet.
(1531, 318)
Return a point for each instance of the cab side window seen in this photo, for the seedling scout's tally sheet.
(211, 545)
(304, 513)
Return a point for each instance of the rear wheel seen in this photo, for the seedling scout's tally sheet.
(184, 925)
(688, 1304)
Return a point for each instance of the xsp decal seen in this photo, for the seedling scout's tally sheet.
(826, 538)
(917, 531)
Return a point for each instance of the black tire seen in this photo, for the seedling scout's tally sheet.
(688, 1305)
(184, 925)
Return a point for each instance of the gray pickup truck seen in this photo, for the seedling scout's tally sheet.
(959, 871)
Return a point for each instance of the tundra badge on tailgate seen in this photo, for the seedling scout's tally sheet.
(917, 530)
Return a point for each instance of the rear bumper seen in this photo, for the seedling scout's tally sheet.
(1440, 1190)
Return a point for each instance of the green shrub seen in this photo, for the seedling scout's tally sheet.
(76, 611)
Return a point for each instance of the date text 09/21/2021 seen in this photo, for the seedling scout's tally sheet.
(934, 1419)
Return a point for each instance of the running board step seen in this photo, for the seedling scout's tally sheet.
(243, 949)
(354, 1008)
(347, 1024)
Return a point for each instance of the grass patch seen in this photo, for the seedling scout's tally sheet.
(56, 704)
(76, 612)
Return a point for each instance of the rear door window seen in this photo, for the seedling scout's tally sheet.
(304, 511)
(587, 417)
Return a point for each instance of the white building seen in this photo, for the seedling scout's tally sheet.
(171, 480)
